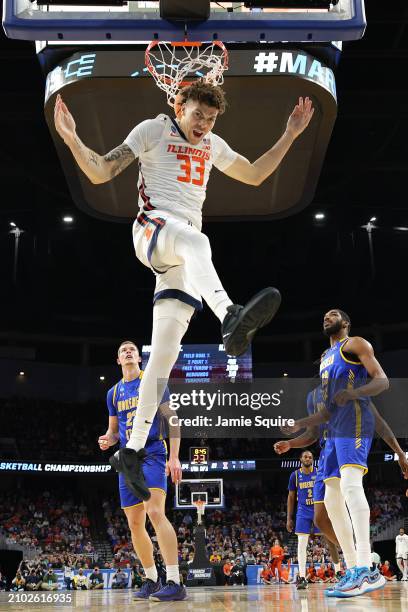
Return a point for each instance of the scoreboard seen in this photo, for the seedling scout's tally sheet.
(199, 363)
(199, 455)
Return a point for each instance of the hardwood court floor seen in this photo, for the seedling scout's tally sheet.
(285, 598)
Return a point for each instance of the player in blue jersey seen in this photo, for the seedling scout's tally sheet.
(320, 517)
(344, 370)
(301, 484)
(122, 400)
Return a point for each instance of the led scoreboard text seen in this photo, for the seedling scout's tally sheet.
(199, 455)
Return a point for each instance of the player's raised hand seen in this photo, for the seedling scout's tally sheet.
(107, 441)
(281, 447)
(173, 469)
(64, 121)
(300, 117)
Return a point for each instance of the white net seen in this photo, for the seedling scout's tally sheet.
(200, 506)
(175, 65)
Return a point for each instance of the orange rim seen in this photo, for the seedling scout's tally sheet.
(185, 43)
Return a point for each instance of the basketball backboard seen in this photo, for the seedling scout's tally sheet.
(140, 21)
(209, 490)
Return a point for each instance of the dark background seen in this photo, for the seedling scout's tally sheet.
(84, 280)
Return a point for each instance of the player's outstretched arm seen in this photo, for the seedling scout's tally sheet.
(386, 433)
(306, 439)
(310, 421)
(98, 168)
(255, 173)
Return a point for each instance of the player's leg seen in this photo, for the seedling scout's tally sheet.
(400, 564)
(303, 539)
(351, 485)
(340, 519)
(179, 243)
(323, 523)
(170, 322)
(167, 540)
(142, 544)
(302, 529)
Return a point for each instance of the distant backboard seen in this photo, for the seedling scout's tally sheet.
(140, 21)
(209, 490)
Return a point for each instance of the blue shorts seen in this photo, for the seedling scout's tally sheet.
(154, 470)
(351, 435)
(304, 523)
(319, 486)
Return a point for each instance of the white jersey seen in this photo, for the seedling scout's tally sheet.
(401, 546)
(173, 173)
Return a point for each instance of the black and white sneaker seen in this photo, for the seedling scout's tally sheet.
(242, 322)
(301, 584)
(130, 463)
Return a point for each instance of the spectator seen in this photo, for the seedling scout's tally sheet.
(33, 581)
(266, 574)
(68, 575)
(49, 581)
(120, 579)
(322, 574)
(387, 572)
(227, 572)
(3, 582)
(311, 573)
(238, 574)
(18, 583)
(80, 581)
(285, 576)
(96, 579)
(136, 576)
(215, 558)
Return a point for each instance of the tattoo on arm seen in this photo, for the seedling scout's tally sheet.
(119, 159)
(93, 158)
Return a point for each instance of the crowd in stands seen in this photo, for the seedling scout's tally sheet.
(57, 527)
(48, 521)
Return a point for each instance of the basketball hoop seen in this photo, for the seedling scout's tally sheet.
(177, 64)
(200, 505)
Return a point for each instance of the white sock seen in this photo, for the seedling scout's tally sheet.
(194, 249)
(303, 539)
(170, 322)
(340, 518)
(151, 573)
(173, 573)
(401, 567)
(351, 485)
(337, 567)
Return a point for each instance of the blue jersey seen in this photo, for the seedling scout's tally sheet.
(339, 371)
(303, 485)
(315, 404)
(122, 400)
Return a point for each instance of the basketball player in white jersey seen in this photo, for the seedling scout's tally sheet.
(175, 160)
(401, 553)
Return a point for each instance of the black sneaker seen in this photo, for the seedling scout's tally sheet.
(130, 463)
(242, 322)
(301, 584)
